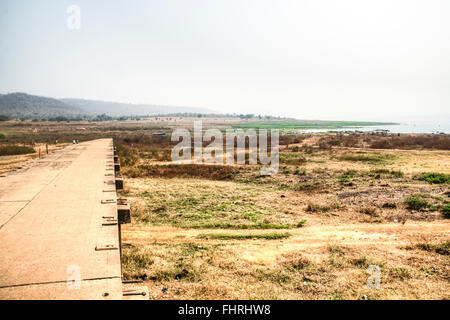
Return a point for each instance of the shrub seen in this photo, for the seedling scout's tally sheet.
(412, 142)
(313, 207)
(386, 172)
(301, 223)
(446, 210)
(300, 172)
(294, 261)
(206, 171)
(2, 136)
(343, 179)
(12, 150)
(442, 248)
(416, 202)
(400, 273)
(128, 156)
(435, 178)
(389, 205)
(364, 262)
(371, 211)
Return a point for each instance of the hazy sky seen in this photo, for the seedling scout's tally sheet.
(315, 59)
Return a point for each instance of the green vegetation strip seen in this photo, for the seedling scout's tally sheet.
(307, 124)
(425, 202)
(435, 178)
(367, 157)
(15, 150)
(243, 226)
(446, 210)
(442, 248)
(227, 236)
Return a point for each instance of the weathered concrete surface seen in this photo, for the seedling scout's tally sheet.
(51, 219)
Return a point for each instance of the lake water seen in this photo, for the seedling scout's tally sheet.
(431, 126)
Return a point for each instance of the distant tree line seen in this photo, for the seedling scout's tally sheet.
(105, 117)
(218, 115)
(91, 118)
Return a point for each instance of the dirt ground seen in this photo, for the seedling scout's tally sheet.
(176, 243)
(340, 214)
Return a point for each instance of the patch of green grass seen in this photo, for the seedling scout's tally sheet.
(226, 206)
(12, 150)
(300, 172)
(314, 207)
(337, 250)
(446, 210)
(400, 273)
(2, 136)
(228, 236)
(442, 248)
(337, 256)
(345, 178)
(134, 261)
(389, 205)
(292, 159)
(128, 156)
(371, 211)
(367, 157)
(435, 178)
(178, 261)
(275, 276)
(335, 295)
(296, 264)
(386, 173)
(364, 262)
(241, 226)
(301, 223)
(306, 186)
(432, 271)
(417, 202)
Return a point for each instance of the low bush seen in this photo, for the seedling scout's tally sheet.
(446, 210)
(313, 207)
(366, 157)
(417, 202)
(11, 150)
(441, 248)
(435, 178)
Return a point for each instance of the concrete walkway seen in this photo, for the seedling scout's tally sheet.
(57, 221)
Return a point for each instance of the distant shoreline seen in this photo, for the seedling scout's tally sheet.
(311, 124)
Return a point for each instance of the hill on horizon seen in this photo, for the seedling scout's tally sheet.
(118, 109)
(23, 105)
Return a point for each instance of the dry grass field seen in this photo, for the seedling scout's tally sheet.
(339, 204)
(309, 233)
